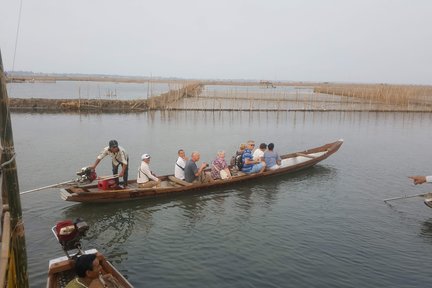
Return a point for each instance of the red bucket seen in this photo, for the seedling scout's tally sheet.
(106, 184)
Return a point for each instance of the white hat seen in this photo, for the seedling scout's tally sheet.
(145, 156)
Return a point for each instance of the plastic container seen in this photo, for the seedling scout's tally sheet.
(106, 184)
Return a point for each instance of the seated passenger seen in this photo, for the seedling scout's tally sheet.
(236, 159)
(192, 173)
(87, 269)
(180, 165)
(220, 167)
(271, 158)
(249, 165)
(259, 153)
(145, 178)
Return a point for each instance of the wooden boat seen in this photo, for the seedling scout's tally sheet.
(292, 162)
(61, 269)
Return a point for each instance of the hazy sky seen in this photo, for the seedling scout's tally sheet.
(387, 41)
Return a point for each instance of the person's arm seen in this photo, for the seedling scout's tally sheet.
(146, 170)
(251, 161)
(101, 155)
(124, 166)
(278, 159)
(421, 179)
(203, 165)
(123, 160)
(96, 163)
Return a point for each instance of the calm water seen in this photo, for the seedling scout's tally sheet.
(88, 90)
(323, 227)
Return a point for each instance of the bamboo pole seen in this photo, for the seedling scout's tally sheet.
(404, 197)
(10, 186)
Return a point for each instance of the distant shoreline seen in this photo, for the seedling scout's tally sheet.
(352, 97)
(30, 78)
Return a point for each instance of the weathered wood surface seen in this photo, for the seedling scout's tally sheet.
(10, 189)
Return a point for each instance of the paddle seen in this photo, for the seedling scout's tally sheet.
(404, 197)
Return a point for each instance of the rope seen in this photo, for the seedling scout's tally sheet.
(7, 162)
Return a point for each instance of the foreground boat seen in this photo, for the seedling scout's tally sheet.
(61, 269)
(292, 162)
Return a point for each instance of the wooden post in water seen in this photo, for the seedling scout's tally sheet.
(10, 189)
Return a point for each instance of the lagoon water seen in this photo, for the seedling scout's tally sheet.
(88, 90)
(323, 227)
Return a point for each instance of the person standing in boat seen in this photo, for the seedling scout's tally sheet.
(421, 179)
(145, 178)
(180, 165)
(271, 158)
(119, 157)
(249, 164)
(192, 173)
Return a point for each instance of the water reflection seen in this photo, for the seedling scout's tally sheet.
(426, 229)
(111, 225)
(224, 118)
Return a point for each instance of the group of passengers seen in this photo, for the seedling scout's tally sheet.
(261, 159)
(251, 162)
(246, 160)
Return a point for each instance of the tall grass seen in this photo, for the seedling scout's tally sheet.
(383, 96)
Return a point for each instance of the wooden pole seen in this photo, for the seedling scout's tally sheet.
(404, 197)
(10, 186)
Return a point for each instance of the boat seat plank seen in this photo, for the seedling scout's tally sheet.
(238, 174)
(305, 155)
(77, 190)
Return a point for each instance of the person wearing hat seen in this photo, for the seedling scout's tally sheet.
(145, 178)
(119, 157)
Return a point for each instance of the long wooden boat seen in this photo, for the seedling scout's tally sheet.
(292, 162)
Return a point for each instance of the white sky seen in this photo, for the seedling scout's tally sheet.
(377, 41)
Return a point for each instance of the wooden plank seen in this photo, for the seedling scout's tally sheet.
(5, 248)
(305, 155)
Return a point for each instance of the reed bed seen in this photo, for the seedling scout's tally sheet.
(163, 101)
(328, 97)
(255, 96)
(383, 96)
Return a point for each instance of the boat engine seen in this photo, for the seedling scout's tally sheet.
(86, 175)
(69, 234)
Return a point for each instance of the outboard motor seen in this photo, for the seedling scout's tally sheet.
(69, 234)
(86, 175)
